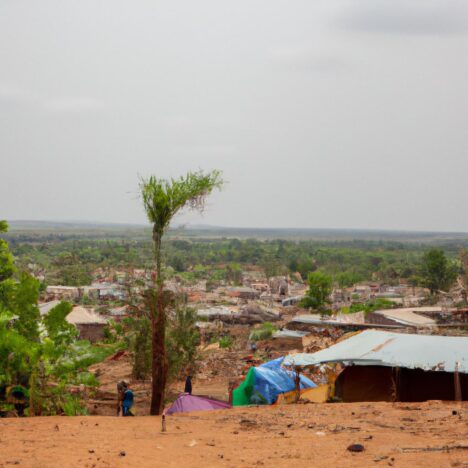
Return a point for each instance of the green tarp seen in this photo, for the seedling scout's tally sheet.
(241, 395)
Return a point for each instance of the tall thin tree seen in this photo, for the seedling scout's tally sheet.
(162, 200)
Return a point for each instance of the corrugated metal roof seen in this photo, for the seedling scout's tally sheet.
(380, 348)
(45, 307)
(289, 334)
(407, 316)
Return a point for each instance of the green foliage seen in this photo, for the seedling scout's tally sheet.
(347, 279)
(114, 332)
(163, 199)
(318, 294)
(139, 341)
(225, 342)
(370, 306)
(436, 271)
(72, 406)
(58, 329)
(7, 267)
(182, 341)
(36, 351)
(264, 332)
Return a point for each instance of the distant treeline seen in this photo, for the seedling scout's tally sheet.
(71, 261)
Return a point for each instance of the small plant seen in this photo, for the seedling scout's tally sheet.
(72, 407)
(225, 342)
(263, 333)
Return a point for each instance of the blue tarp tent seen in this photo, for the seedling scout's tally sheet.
(264, 383)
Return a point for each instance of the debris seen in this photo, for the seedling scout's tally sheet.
(90, 450)
(380, 458)
(56, 428)
(356, 448)
(192, 443)
(118, 355)
(247, 422)
(445, 448)
(320, 433)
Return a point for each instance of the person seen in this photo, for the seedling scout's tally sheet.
(121, 387)
(188, 385)
(127, 402)
(18, 396)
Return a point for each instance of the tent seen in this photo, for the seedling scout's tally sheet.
(186, 403)
(264, 383)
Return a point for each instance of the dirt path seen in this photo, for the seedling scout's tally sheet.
(294, 435)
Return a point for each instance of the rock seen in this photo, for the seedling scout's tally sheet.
(122, 453)
(355, 448)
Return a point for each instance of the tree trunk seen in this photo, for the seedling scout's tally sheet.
(158, 327)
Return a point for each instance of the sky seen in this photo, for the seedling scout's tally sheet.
(320, 114)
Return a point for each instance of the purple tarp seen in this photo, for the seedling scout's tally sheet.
(186, 403)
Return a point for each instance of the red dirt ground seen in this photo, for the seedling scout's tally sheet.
(291, 436)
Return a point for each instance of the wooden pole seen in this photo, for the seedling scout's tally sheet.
(457, 386)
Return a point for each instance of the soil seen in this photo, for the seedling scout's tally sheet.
(398, 434)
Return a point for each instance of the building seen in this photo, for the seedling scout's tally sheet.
(243, 292)
(389, 366)
(71, 293)
(89, 324)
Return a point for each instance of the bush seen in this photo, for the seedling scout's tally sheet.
(72, 406)
(225, 342)
(263, 333)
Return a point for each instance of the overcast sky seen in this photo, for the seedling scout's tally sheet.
(324, 113)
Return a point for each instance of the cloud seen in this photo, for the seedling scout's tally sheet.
(17, 97)
(304, 59)
(423, 17)
(73, 105)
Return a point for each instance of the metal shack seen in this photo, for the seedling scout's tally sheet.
(388, 366)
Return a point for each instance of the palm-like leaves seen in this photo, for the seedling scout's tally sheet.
(163, 199)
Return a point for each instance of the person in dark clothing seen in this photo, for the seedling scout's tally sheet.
(188, 385)
(127, 403)
(18, 396)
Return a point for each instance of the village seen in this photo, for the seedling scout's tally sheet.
(232, 234)
(260, 320)
(254, 340)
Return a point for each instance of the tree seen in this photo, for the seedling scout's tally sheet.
(162, 200)
(436, 271)
(318, 294)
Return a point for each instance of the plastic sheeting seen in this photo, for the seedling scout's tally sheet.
(264, 383)
(186, 403)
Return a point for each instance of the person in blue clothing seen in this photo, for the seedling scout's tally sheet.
(127, 402)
